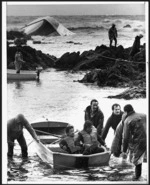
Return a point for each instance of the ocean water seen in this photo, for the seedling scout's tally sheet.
(90, 31)
(57, 97)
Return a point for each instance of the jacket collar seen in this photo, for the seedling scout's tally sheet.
(129, 113)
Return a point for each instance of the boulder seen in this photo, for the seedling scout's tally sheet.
(127, 26)
(68, 60)
(32, 58)
(11, 35)
(132, 93)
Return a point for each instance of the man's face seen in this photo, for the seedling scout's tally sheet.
(89, 129)
(71, 132)
(94, 106)
(117, 110)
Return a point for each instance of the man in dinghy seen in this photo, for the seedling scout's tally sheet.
(89, 138)
(68, 143)
(15, 131)
(136, 47)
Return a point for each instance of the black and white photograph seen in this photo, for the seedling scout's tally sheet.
(75, 92)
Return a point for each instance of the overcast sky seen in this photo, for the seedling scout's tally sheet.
(75, 9)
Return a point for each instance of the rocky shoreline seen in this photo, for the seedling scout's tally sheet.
(106, 66)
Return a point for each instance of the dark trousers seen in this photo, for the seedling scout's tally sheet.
(138, 170)
(93, 150)
(22, 142)
(111, 40)
(18, 71)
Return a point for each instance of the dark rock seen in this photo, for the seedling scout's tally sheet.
(117, 75)
(36, 42)
(132, 93)
(11, 35)
(68, 60)
(127, 26)
(31, 57)
(20, 41)
(102, 57)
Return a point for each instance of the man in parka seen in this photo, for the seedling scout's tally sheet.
(112, 33)
(134, 138)
(15, 132)
(136, 46)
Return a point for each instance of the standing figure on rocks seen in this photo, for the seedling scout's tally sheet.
(112, 33)
(18, 61)
(134, 138)
(136, 46)
(96, 116)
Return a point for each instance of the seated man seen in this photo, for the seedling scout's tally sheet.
(89, 139)
(68, 143)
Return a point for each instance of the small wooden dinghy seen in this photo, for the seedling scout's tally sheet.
(23, 75)
(46, 130)
(60, 160)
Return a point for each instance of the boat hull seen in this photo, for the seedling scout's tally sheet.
(23, 75)
(70, 161)
(67, 161)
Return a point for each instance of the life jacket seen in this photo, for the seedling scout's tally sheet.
(70, 143)
(90, 138)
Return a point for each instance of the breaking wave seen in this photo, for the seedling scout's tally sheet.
(88, 27)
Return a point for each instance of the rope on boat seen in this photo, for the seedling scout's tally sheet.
(48, 133)
(15, 144)
(119, 59)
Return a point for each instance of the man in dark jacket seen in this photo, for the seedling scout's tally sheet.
(134, 138)
(112, 33)
(95, 115)
(113, 120)
(136, 46)
(15, 131)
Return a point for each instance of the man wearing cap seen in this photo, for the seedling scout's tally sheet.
(15, 131)
(112, 33)
(136, 46)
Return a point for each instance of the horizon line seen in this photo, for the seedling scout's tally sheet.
(81, 15)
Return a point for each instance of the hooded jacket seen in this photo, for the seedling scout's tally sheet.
(134, 134)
